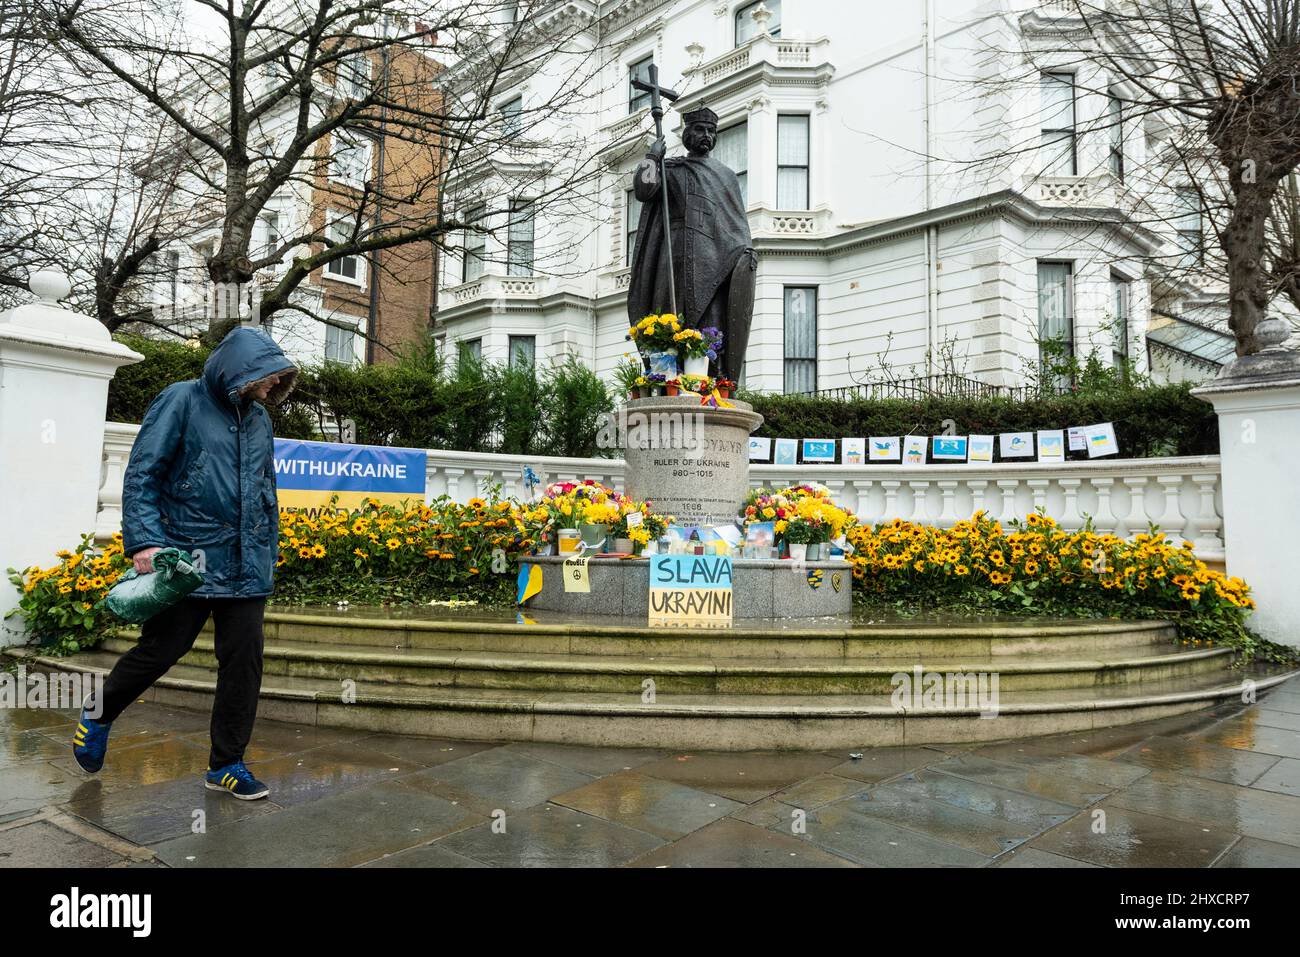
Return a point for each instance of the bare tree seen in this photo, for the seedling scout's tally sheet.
(1221, 75)
(261, 98)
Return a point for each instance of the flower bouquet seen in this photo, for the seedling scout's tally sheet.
(654, 337)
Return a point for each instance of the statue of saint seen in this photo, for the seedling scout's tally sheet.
(713, 256)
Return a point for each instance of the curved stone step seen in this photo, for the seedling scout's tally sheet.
(824, 638)
(672, 675)
(706, 722)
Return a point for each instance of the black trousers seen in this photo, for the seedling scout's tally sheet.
(166, 637)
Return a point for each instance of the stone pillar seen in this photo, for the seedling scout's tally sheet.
(55, 365)
(1257, 398)
(687, 460)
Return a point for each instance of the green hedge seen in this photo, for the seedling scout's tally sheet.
(1149, 421)
(417, 402)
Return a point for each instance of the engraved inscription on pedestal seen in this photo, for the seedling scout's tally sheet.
(688, 460)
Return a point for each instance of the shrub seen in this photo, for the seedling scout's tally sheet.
(1151, 421)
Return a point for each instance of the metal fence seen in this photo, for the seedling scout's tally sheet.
(935, 386)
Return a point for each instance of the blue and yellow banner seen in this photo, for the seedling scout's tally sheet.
(308, 474)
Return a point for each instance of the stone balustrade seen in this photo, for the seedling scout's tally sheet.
(1180, 495)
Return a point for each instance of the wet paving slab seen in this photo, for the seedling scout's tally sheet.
(1245, 810)
(552, 836)
(1127, 838)
(658, 807)
(1216, 788)
(1252, 852)
(498, 780)
(873, 842)
(160, 812)
(1200, 759)
(340, 831)
(734, 843)
(42, 844)
(983, 834)
(743, 777)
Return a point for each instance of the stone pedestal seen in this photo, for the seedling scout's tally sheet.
(55, 365)
(688, 460)
(1257, 398)
(761, 588)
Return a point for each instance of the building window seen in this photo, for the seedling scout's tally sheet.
(475, 244)
(800, 338)
(732, 150)
(512, 117)
(469, 350)
(1187, 222)
(747, 29)
(340, 345)
(354, 76)
(1057, 141)
(1115, 117)
(1055, 318)
(350, 163)
(792, 162)
(270, 221)
(523, 351)
(1119, 293)
(346, 268)
(519, 239)
(640, 70)
(631, 222)
(510, 13)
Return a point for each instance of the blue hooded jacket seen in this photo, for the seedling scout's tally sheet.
(202, 476)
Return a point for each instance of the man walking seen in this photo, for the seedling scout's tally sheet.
(202, 478)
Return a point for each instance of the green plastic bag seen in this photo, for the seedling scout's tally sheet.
(137, 598)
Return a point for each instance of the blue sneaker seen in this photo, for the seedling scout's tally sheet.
(90, 741)
(238, 780)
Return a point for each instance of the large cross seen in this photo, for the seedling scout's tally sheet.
(657, 95)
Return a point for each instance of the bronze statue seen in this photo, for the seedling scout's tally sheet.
(709, 275)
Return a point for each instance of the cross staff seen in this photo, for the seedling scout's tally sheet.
(657, 95)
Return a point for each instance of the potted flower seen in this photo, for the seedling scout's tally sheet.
(655, 383)
(724, 387)
(699, 347)
(653, 336)
(698, 384)
(798, 534)
(627, 374)
(672, 386)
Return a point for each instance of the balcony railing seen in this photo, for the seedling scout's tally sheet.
(1180, 495)
(489, 287)
(788, 53)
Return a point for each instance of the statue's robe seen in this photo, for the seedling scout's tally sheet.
(710, 234)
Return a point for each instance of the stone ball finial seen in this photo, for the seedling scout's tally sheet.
(1272, 333)
(50, 285)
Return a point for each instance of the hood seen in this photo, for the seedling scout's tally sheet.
(244, 356)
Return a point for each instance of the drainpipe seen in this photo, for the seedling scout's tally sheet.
(932, 231)
(372, 318)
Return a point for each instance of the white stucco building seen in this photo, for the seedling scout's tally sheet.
(854, 128)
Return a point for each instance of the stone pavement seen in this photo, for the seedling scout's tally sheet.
(1218, 788)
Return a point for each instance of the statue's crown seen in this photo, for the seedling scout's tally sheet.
(701, 115)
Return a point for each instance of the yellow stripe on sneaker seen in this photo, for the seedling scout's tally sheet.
(83, 729)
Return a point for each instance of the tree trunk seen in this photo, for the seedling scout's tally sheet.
(1243, 243)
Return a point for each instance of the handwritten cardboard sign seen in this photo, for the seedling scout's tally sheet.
(688, 588)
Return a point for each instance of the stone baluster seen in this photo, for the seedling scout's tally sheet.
(452, 480)
(978, 491)
(108, 521)
(1171, 520)
(890, 510)
(1104, 520)
(1136, 519)
(862, 505)
(948, 504)
(836, 487)
(1207, 523)
(920, 506)
(482, 479)
(1009, 487)
(1071, 520)
(1038, 487)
